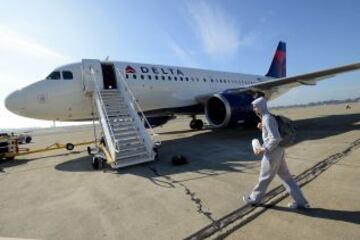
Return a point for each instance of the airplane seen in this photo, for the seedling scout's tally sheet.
(166, 91)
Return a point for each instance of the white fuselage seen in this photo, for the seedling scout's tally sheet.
(155, 87)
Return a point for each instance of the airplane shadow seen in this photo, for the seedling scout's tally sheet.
(337, 215)
(211, 153)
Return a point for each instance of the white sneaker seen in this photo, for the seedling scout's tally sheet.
(295, 205)
(248, 200)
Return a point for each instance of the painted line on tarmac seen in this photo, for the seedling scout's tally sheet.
(233, 221)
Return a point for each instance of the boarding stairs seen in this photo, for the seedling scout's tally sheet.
(126, 140)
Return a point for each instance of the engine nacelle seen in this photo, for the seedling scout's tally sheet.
(230, 110)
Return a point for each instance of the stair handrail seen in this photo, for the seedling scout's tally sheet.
(97, 92)
(137, 106)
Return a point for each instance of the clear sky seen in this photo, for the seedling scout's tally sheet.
(237, 36)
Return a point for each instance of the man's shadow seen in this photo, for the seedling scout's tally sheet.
(337, 215)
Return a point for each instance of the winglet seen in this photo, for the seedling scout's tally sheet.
(278, 64)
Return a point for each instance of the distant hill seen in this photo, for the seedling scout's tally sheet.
(328, 102)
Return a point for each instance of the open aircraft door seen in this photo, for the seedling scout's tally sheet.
(91, 71)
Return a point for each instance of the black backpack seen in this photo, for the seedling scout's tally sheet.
(287, 130)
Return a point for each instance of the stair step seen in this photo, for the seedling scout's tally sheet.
(123, 125)
(131, 161)
(128, 141)
(114, 98)
(132, 146)
(120, 115)
(125, 131)
(124, 128)
(120, 122)
(117, 121)
(120, 119)
(129, 150)
(126, 135)
(115, 106)
(117, 111)
(112, 91)
(114, 103)
(131, 143)
(111, 94)
(132, 154)
(109, 98)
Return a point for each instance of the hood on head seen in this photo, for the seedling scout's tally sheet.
(261, 104)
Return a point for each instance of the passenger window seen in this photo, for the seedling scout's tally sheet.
(204, 79)
(175, 78)
(142, 76)
(134, 76)
(156, 77)
(169, 78)
(67, 75)
(54, 76)
(149, 77)
(181, 78)
(162, 77)
(187, 79)
(127, 75)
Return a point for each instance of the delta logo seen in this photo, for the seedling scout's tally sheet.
(129, 69)
(155, 70)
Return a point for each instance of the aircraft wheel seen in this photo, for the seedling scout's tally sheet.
(196, 124)
(69, 146)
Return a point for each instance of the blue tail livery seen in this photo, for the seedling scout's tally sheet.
(278, 64)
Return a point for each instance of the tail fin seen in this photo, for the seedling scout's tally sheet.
(278, 64)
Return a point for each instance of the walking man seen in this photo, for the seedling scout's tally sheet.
(273, 161)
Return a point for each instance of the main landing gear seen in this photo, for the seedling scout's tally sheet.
(196, 124)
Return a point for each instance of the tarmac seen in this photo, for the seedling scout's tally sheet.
(57, 195)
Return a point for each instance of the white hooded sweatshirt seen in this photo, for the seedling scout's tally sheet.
(270, 132)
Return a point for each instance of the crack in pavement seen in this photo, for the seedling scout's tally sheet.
(193, 197)
(233, 221)
(198, 202)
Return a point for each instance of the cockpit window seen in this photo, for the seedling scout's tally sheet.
(67, 75)
(54, 76)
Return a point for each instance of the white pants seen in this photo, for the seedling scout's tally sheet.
(271, 164)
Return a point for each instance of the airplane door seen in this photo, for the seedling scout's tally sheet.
(91, 71)
(109, 76)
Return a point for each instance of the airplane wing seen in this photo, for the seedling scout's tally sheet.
(278, 86)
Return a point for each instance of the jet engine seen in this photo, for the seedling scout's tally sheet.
(228, 110)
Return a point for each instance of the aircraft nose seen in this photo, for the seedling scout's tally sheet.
(14, 102)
